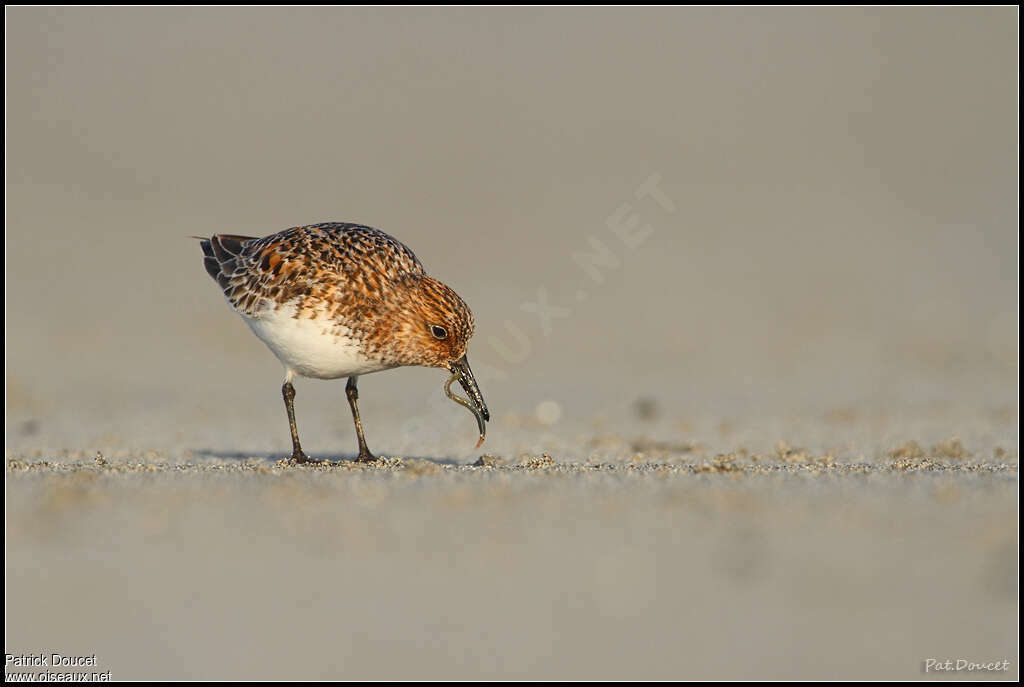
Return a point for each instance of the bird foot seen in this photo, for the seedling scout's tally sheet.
(366, 457)
(300, 458)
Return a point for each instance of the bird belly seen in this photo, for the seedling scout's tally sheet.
(319, 347)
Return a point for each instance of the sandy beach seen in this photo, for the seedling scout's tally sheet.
(745, 285)
(653, 567)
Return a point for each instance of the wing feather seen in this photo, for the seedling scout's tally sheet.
(310, 263)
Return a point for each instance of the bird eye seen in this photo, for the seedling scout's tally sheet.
(438, 331)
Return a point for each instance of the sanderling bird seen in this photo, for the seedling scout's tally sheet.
(339, 300)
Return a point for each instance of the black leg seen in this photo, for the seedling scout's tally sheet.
(353, 395)
(288, 391)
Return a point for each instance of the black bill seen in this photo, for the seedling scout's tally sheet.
(475, 403)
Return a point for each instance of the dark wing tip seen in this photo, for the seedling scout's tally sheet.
(219, 252)
(212, 266)
(227, 246)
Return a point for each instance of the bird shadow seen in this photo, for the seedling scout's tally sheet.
(335, 459)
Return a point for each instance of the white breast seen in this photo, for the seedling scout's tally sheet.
(311, 347)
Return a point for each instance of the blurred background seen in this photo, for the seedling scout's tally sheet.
(844, 183)
(819, 209)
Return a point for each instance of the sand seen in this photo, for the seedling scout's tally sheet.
(779, 566)
(745, 283)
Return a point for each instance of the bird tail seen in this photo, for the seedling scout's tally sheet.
(219, 249)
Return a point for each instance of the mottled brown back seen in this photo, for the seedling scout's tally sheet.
(308, 263)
